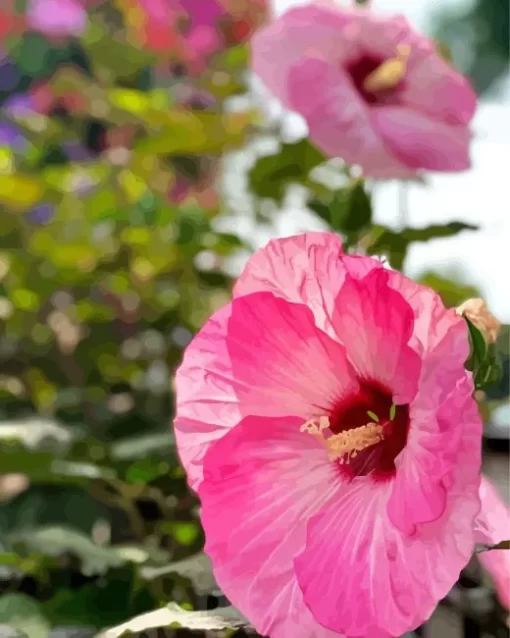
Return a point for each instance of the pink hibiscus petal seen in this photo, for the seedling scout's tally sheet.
(444, 394)
(303, 269)
(338, 120)
(418, 141)
(425, 469)
(376, 323)
(358, 574)
(259, 356)
(312, 29)
(492, 527)
(262, 481)
(434, 88)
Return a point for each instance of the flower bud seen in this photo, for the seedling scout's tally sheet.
(477, 312)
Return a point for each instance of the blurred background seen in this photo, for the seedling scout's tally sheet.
(140, 165)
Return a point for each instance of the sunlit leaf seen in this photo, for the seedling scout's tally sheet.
(196, 568)
(24, 613)
(174, 616)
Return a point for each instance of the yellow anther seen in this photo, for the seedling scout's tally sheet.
(315, 426)
(347, 444)
(390, 73)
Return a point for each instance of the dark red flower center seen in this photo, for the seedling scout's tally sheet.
(362, 68)
(372, 403)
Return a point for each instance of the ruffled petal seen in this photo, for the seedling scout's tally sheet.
(309, 268)
(376, 323)
(441, 437)
(442, 413)
(303, 268)
(262, 481)
(261, 355)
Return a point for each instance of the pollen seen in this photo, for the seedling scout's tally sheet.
(390, 73)
(345, 445)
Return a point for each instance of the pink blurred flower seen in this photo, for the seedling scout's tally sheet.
(493, 526)
(57, 17)
(372, 91)
(327, 422)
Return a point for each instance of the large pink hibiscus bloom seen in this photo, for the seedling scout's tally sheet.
(327, 422)
(372, 91)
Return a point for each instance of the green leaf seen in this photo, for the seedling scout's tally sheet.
(43, 467)
(142, 446)
(349, 211)
(172, 615)
(197, 569)
(24, 613)
(272, 174)
(96, 607)
(436, 231)
(55, 541)
(478, 346)
(395, 244)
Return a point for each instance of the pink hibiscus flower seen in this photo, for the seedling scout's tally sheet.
(372, 91)
(493, 526)
(327, 422)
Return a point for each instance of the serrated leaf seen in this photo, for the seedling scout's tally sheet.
(172, 615)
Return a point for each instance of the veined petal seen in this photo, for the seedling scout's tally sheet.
(262, 481)
(261, 355)
(376, 323)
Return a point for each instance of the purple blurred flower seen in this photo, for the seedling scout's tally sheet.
(77, 152)
(12, 137)
(57, 17)
(41, 214)
(20, 105)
